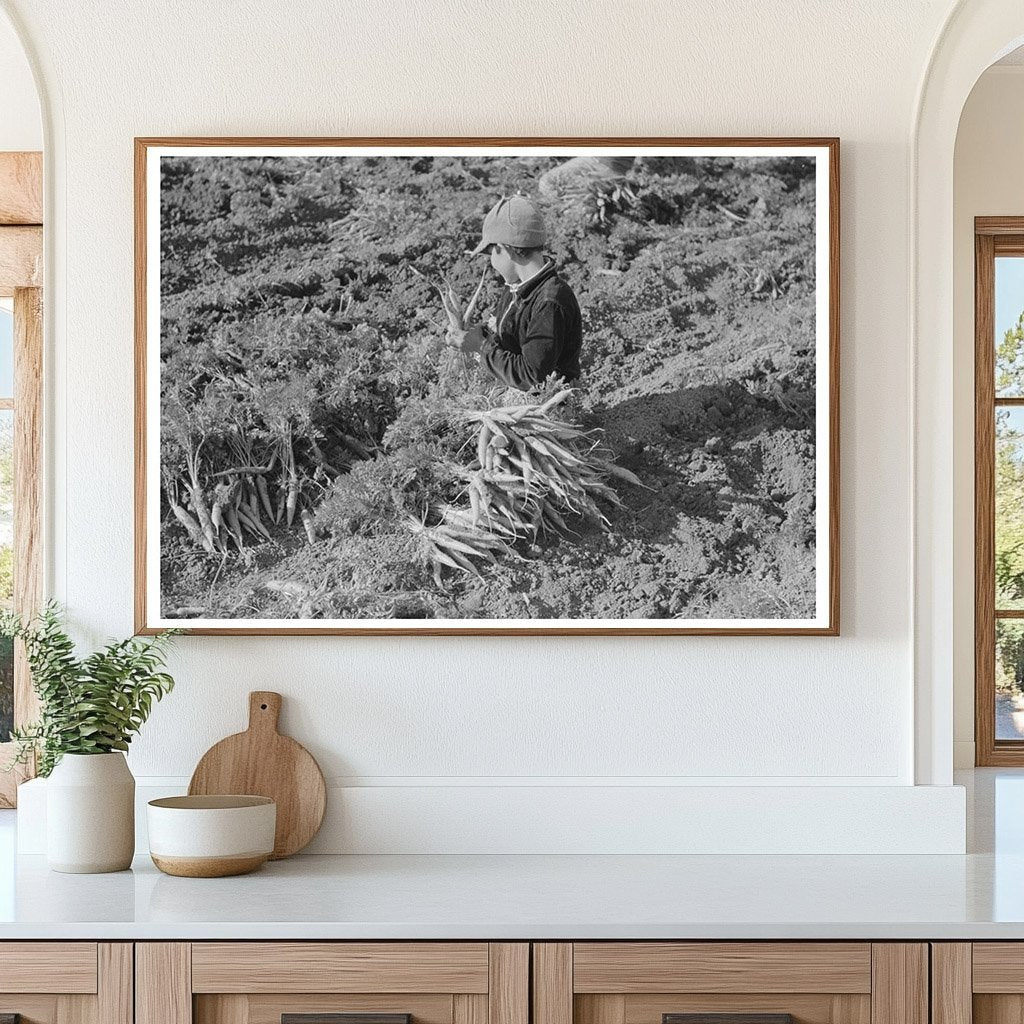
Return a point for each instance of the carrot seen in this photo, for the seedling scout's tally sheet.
(292, 501)
(246, 520)
(203, 515)
(307, 523)
(261, 487)
(476, 295)
(234, 527)
(481, 443)
(553, 401)
(251, 509)
(191, 526)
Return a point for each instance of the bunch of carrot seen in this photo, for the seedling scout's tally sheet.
(530, 472)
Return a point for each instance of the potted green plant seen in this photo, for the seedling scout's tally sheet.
(90, 708)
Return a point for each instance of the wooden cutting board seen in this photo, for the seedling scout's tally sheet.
(262, 762)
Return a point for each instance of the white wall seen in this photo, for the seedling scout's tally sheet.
(988, 181)
(439, 712)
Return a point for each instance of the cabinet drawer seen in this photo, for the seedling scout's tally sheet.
(730, 983)
(66, 967)
(66, 982)
(642, 982)
(332, 983)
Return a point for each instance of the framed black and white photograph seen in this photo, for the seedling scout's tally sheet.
(504, 386)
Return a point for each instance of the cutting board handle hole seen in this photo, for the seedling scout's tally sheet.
(263, 707)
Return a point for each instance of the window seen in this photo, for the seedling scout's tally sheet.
(21, 319)
(999, 490)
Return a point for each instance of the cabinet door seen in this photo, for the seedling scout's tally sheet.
(332, 983)
(981, 982)
(66, 982)
(730, 983)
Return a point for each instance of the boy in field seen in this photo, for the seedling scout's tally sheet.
(537, 328)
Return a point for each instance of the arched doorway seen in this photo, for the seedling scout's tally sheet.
(977, 33)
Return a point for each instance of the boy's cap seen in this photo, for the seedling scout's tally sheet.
(513, 221)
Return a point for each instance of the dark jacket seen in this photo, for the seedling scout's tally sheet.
(538, 331)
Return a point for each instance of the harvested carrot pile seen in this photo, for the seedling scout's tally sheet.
(531, 471)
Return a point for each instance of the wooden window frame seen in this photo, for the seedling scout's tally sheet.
(993, 236)
(21, 278)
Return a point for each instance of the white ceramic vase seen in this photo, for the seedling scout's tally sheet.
(90, 814)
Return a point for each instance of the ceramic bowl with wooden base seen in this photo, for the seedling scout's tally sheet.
(211, 836)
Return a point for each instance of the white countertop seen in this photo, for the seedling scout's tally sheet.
(518, 897)
(976, 896)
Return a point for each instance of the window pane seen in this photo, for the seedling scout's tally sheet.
(1009, 323)
(6, 353)
(1009, 537)
(1009, 679)
(6, 567)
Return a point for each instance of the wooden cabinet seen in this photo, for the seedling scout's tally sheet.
(66, 982)
(307, 982)
(753, 982)
(512, 983)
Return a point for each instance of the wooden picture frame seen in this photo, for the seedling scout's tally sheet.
(821, 410)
